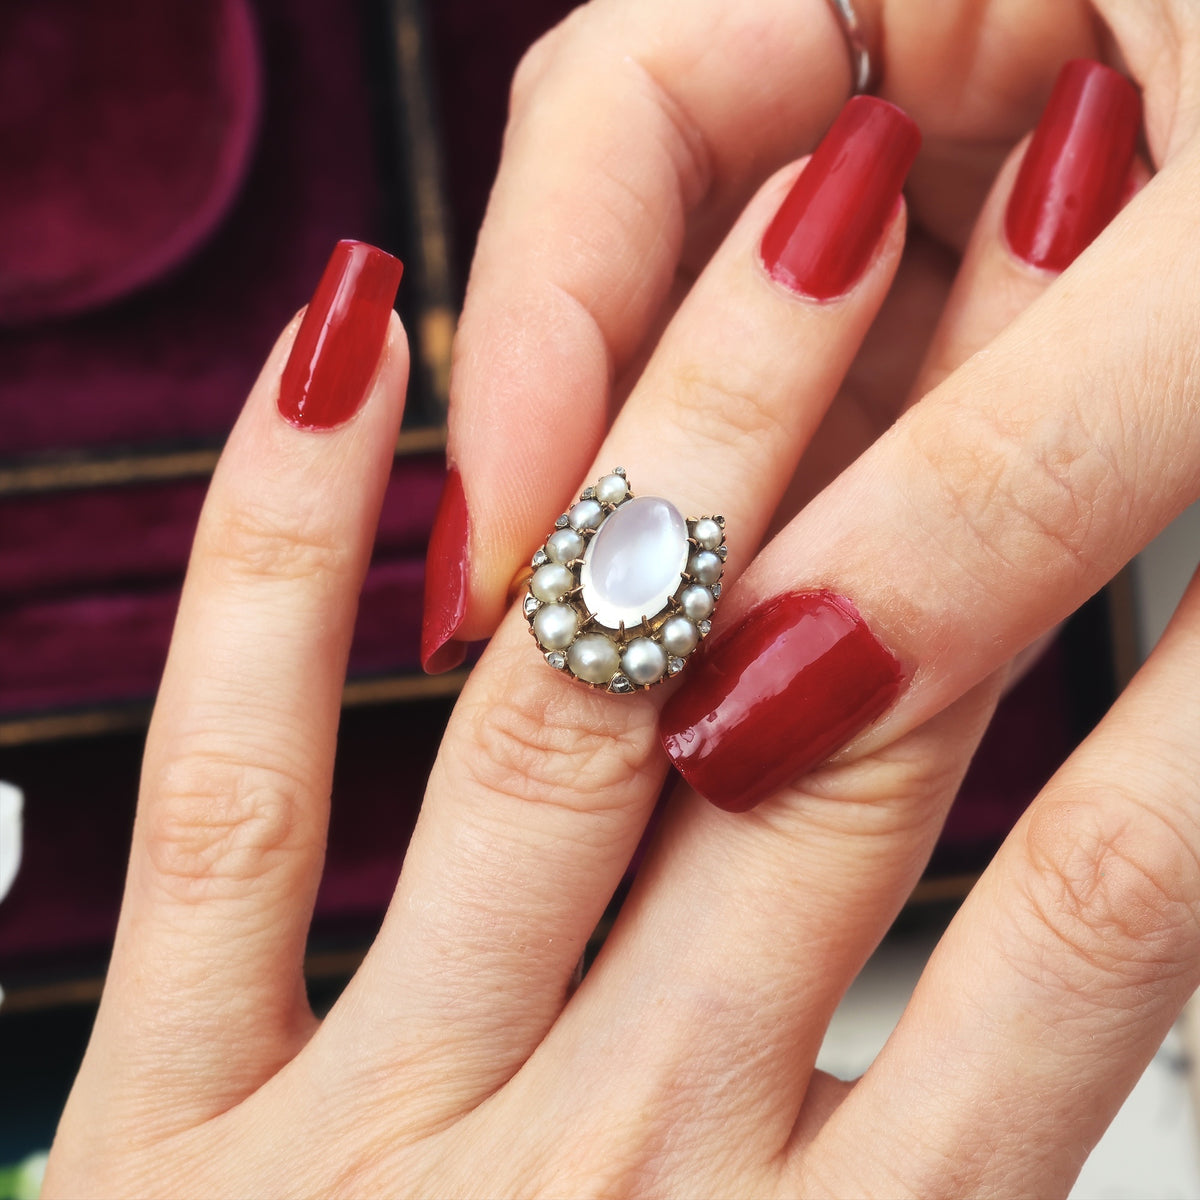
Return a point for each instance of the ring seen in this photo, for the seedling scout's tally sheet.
(623, 590)
(862, 71)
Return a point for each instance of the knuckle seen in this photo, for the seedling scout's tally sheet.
(1028, 492)
(573, 752)
(245, 542)
(627, 204)
(727, 405)
(1113, 883)
(882, 799)
(215, 827)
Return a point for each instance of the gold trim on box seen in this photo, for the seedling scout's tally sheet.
(431, 260)
(67, 474)
(435, 336)
(938, 889)
(95, 722)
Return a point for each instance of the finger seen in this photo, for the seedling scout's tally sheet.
(738, 937)
(615, 139)
(990, 287)
(1007, 511)
(205, 996)
(995, 284)
(631, 143)
(1062, 973)
(1028, 232)
(815, 877)
(542, 788)
(882, 374)
(857, 832)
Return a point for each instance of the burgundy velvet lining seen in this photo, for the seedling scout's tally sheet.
(110, 646)
(129, 126)
(88, 538)
(172, 363)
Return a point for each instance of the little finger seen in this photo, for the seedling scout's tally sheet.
(1060, 976)
(205, 994)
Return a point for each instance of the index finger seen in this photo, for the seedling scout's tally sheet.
(637, 131)
(229, 837)
(618, 132)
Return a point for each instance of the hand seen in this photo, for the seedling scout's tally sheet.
(631, 142)
(1015, 489)
(637, 132)
(458, 1060)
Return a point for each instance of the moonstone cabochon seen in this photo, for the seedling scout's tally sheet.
(623, 626)
(635, 561)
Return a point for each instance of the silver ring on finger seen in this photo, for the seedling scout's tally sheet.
(863, 76)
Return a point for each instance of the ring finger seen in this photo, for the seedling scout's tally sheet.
(798, 892)
(542, 788)
(1062, 973)
(206, 973)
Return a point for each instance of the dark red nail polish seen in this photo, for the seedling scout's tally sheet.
(776, 696)
(827, 228)
(446, 580)
(1074, 176)
(337, 347)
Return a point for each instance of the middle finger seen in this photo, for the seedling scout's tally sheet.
(797, 893)
(542, 788)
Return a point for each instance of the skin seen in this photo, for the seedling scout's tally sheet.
(462, 1059)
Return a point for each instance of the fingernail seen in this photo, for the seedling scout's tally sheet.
(446, 580)
(1073, 178)
(337, 347)
(776, 696)
(826, 230)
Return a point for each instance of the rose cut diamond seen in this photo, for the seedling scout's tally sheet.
(634, 562)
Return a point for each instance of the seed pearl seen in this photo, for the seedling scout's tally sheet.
(705, 566)
(564, 546)
(679, 636)
(585, 515)
(612, 489)
(555, 625)
(593, 658)
(644, 661)
(696, 601)
(707, 533)
(551, 583)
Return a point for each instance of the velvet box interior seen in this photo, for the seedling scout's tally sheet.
(223, 168)
(137, 316)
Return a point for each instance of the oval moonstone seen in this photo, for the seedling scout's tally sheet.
(634, 562)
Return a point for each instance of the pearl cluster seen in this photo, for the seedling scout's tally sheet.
(631, 657)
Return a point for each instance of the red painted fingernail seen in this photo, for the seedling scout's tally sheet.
(1074, 176)
(446, 580)
(337, 347)
(827, 228)
(776, 696)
